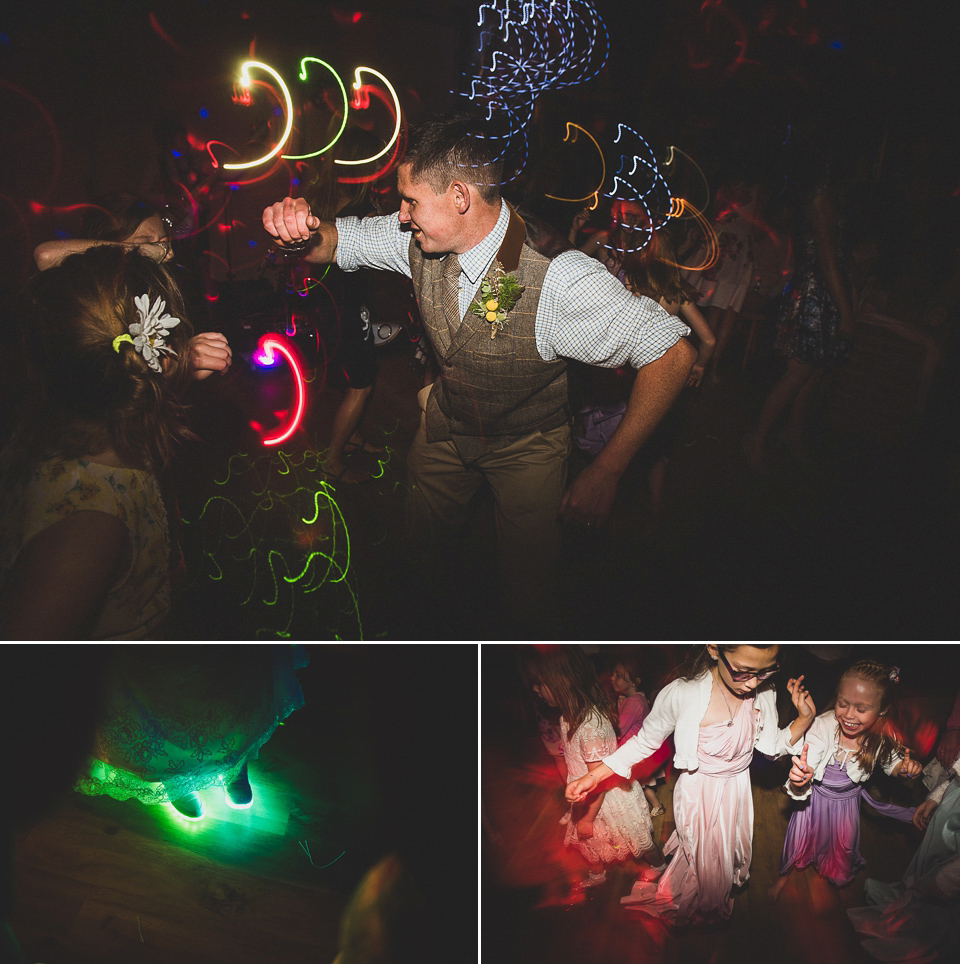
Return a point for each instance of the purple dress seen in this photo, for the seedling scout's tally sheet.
(713, 844)
(824, 829)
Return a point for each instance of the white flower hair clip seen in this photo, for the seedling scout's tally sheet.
(895, 674)
(149, 336)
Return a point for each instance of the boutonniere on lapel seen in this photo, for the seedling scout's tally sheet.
(499, 292)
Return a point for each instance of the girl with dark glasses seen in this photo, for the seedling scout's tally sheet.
(719, 710)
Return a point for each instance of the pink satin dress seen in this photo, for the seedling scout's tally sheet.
(713, 844)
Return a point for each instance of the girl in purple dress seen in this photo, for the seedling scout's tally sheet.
(843, 746)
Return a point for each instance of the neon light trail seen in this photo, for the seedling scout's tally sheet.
(268, 347)
(272, 537)
(360, 101)
(358, 87)
(246, 83)
(595, 195)
(346, 109)
(526, 49)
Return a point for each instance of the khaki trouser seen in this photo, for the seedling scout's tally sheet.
(528, 478)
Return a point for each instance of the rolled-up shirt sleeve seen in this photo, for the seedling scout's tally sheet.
(586, 314)
(376, 242)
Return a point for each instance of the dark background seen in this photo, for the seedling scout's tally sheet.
(867, 550)
(82, 86)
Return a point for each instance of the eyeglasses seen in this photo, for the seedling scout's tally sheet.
(741, 677)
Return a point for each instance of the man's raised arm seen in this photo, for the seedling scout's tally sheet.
(292, 224)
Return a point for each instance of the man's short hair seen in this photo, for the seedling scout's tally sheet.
(458, 147)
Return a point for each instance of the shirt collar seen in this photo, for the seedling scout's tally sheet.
(476, 262)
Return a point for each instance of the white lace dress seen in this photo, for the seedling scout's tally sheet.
(622, 826)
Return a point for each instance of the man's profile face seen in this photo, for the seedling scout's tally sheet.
(433, 218)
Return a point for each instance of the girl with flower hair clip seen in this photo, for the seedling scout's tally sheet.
(83, 531)
(827, 779)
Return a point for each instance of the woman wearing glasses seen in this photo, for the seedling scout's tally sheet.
(720, 708)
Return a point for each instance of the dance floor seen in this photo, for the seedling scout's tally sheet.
(859, 544)
(525, 868)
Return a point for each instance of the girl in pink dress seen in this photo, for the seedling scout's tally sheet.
(827, 780)
(719, 710)
(615, 824)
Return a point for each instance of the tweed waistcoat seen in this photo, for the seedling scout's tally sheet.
(491, 391)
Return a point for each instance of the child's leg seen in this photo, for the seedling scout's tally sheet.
(726, 329)
(596, 876)
(654, 857)
(653, 800)
(774, 892)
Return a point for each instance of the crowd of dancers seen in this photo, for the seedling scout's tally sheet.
(107, 352)
(718, 708)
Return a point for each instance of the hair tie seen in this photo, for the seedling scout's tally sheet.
(895, 674)
(119, 339)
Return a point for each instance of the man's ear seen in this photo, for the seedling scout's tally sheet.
(461, 196)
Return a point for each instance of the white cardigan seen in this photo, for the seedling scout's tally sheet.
(678, 709)
(821, 739)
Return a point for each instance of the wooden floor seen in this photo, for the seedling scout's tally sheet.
(807, 924)
(108, 881)
(524, 866)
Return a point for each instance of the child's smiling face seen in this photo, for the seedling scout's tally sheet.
(857, 707)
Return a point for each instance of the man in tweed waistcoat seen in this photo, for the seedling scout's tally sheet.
(498, 411)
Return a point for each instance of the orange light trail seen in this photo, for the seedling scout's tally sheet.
(603, 161)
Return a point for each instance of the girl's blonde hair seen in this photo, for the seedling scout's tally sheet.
(883, 739)
(82, 394)
(573, 682)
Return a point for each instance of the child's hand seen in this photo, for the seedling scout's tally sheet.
(584, 828)
(801, 699)
(695, 376)
(208, 352)
(909, 768)
(923, 813)
(801, 773)
(578, 789)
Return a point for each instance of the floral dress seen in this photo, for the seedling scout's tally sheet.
(809, 325)
(622, 826)
(185, 718)
(50, 491)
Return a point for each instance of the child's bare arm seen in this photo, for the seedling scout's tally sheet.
(58, 584)
(806, 710)
(585, 813)
(50, 253)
